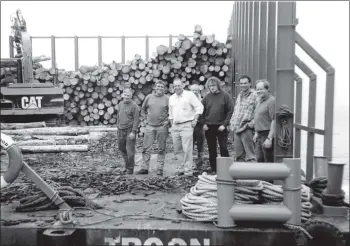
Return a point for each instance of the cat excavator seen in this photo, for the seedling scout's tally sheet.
(21, 99)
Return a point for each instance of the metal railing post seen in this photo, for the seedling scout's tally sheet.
(239, 40)
(271, 47)
(250, 38)
(297, 113)
(284, 80)
(292, 190)
(170, 41)
(76, 53)
(147, 47)
(246, 35)
(320, 166)
(329, 104)
(263, 41)
(99, 43)
(225, 191)
(311, 116)
(123, 49)
(53, 52)
(11, 48)
(256, 43)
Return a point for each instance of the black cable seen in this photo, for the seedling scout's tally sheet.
(284, 138)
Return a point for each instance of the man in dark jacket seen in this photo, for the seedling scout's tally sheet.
(218, 109)
(128, 122)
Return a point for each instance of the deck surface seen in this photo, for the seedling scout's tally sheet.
(127, 214)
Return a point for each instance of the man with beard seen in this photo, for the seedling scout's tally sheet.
(155, 107)
(218, 109)
(128, 122)
(264, 123)
(184, 110)
(242, 121)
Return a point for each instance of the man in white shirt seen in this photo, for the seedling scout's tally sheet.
(184, 110)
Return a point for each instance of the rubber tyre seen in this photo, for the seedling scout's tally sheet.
(323, 233)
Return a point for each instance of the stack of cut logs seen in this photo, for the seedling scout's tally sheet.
(35, 137)
(41, 75)
(92, 95)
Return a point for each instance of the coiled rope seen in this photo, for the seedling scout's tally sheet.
(200, 203)
(39, 201)
(318, 187)
(273, 194)
(284, 138)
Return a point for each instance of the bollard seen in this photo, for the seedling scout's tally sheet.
(225, 192)
(320, 166)
(260, 213)
(292, 190)
(335, 178)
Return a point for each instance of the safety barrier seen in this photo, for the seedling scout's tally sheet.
(264, 37)
(15, 160)
(99, 45)
(229, 212)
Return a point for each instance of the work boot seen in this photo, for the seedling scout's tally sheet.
(129, 171)
(142, 171)
(179, 173)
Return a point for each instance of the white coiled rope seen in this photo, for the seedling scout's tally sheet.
(201, 203)
(273, 194)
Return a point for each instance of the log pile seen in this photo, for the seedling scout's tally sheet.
(9, 71)
(42, 139)
(93, 93)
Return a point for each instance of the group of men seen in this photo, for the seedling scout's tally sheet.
(192, 120)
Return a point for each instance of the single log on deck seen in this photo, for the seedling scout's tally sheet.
(47, 131)
(54, 148)
(45, 142)
(95, 136)
(14, 126)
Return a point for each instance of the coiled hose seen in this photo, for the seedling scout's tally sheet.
(284, 138)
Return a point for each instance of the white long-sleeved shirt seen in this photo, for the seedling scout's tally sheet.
(183, 108)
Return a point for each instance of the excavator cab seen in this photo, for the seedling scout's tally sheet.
(21, 99)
